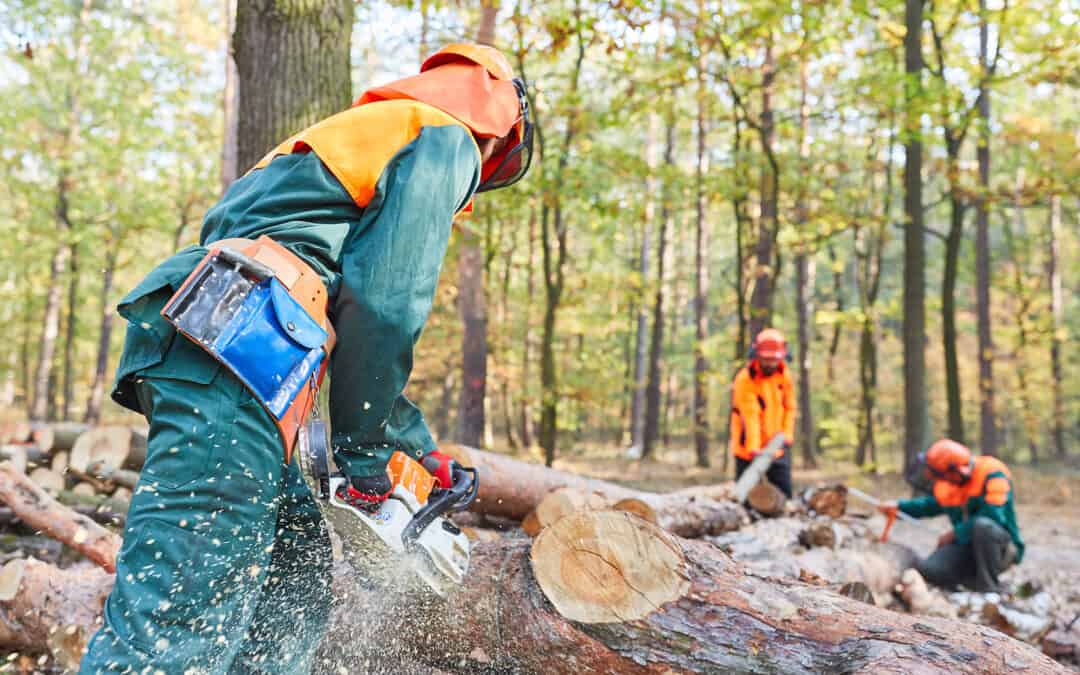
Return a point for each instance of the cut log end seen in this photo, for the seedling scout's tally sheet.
(766, 499)
(636, 507)
(608, 566)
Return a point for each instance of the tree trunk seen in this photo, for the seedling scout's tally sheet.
(641, 362)
(738, 205)
(656, 346)
(765, 275)
(70, 332)
(510, 488)
(1023, 302)
(916, 412)
(229, 168)
(838, 296)
(527, 337)
(948, 307)
(804, 284)
(472, 301)
(607, 592)
(473, 309)
(1057, 322)
(700, 407)
(553, 239)
(983, 277)
(624, 597)
(50, 325)
(101, 368)
(292, 65)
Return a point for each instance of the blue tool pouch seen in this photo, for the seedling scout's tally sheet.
(235, 309)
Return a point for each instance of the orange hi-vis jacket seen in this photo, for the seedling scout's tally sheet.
(761, 407)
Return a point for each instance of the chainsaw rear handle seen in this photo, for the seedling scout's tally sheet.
(456, 498)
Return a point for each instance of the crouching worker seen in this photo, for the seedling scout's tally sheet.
(339, 234)
(976, 493)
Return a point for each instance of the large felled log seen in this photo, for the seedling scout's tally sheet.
(117, 447)
(45, 607)
(39, 510)
(510, 488)
(608, 593)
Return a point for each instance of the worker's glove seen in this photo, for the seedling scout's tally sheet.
(946, 539)
(368, 492)
(890, 509)
(441, 467)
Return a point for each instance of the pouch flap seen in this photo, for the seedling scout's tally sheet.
(294, 319)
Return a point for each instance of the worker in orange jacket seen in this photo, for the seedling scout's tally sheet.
(763, 405)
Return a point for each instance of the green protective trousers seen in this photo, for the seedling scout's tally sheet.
(225, 565)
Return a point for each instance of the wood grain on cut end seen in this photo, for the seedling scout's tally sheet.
(608, 566)
(636, 507)
(110, 445)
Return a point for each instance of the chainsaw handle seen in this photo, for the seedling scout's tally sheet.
(458, 497)
(890, 518)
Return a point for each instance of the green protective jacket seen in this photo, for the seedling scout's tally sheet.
(380, 263)
(988, 494)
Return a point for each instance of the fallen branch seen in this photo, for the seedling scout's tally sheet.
(38, 510)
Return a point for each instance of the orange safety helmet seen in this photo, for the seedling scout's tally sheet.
(476, 85)
(769, 344)
(947, 457)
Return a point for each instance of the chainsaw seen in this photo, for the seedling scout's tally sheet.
(411, 524)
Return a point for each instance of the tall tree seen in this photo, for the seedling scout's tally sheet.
(656, 346)
(641, 346)
(761, 300)
(553, 244)
(62, 212)
(292, 67)
(916, 431)
(987, 423)
(804, 277)
(472, 303)
(700, 406)
(1057, 322)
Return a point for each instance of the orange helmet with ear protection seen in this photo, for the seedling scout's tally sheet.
(770, 344)
(476, 85)
(947, 457)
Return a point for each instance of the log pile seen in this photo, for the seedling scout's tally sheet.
(598, 589)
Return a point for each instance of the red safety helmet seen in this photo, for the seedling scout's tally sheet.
(770, 344)
(946, 459)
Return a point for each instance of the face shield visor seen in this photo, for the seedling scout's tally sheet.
(514, 163)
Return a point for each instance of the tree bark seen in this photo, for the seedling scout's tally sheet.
(804, 284)
(230, 143)
(983, 277)
(553, 239)
(608, 593)
(916, 411)
(656, 345)
(700, 407)
(761, 299)
(624, 597)
(510, 488)
(642, 365)
(70, 331)
(948, 299)
(101, 367)
(472, 301)
(1057, 323)
(292, 65)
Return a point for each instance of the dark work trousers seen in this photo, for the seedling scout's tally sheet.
(975, 564)
(779, 473)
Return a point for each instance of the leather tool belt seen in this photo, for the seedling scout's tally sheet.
(261, 311)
